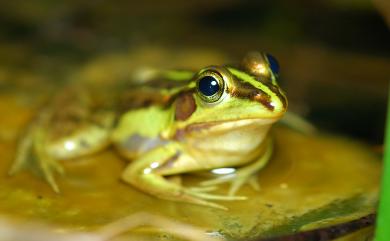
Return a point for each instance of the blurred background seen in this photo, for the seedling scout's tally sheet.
(334, 55)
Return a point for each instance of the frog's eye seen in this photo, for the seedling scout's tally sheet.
(210, 86)
(273, 64)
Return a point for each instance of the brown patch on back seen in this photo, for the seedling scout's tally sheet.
(70, 110)
(140, 98)
(185, 106)
(141, 95)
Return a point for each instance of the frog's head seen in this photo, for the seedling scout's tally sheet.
(224, 93)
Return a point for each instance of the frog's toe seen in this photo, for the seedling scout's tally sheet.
(241, 180)
(52, 182)
(254, 183)
(202, 202)
(58, 168)
(237, 180)
(203, 189)
(236, 185)
(201, 197)
(208, 196)
(49, 169)
(23, 152)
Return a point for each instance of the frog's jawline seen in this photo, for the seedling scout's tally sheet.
(221, 126)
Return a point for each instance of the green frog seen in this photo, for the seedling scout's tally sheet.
(169, 123)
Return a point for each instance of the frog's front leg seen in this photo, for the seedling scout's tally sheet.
(246, 173)
(145, 173)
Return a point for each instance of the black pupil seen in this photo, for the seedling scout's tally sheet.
(208, 85)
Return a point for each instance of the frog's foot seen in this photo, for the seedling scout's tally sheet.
(237, 180)
(49, 167)
(47, 164)
(203, 189)
(31, 152)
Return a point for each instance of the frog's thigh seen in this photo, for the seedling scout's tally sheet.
(47, 153)
(91, 140)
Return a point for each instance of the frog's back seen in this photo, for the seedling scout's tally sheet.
(158, 89)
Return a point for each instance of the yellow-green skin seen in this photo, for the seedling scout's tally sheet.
(185, 134)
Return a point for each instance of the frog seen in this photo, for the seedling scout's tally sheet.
(170, 123)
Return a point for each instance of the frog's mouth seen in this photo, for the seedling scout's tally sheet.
(220, 126)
